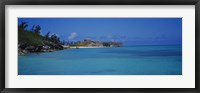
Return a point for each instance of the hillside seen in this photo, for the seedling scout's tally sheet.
(31, 38)
(32, 42)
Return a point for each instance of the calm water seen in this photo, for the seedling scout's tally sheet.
(137, 60)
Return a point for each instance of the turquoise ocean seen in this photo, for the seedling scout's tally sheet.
(132, 60)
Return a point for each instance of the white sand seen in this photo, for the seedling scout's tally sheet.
(87, 47)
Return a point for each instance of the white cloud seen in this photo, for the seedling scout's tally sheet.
(72, 35)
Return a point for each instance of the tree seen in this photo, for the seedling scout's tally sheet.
(62, 42)
(23, 25)
(37, 29)
(47, 35)
(55, 38)
(33, 28)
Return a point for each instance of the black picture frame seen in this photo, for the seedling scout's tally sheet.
(3, 3)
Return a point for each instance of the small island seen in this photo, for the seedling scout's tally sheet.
(31, 41)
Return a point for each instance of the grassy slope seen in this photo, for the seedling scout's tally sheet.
(31, 38)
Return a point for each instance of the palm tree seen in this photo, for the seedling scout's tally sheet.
(37, 29)
(55, 38)
(23, 25)
(47, 35)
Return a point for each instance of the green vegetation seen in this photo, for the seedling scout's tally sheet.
(31, 38)
(32, 41)
(79, 43)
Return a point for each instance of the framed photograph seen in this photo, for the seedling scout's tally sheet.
(100, 46)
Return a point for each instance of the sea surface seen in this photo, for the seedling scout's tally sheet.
(134, 60)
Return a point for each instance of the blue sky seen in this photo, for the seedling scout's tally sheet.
(129, 31)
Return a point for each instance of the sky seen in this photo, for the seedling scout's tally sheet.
(129, 31)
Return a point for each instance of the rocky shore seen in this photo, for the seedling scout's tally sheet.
(31, 41)
(24, 49)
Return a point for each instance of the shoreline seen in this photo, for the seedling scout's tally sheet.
(25, 51)
(87, 47)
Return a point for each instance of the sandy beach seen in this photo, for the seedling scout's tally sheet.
(87, 47)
